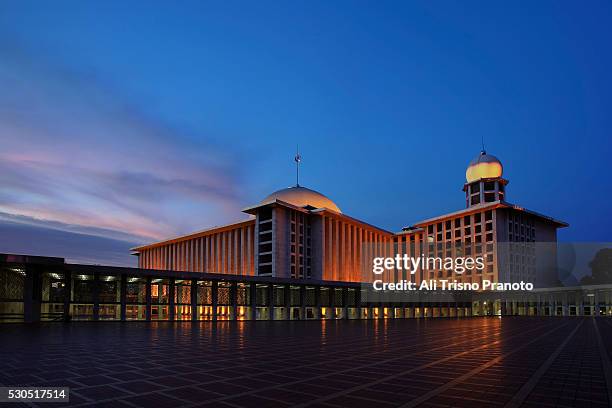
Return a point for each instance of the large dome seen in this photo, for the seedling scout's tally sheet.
(484, 166)
(302, 197)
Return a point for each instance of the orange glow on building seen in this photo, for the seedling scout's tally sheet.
(302, 234)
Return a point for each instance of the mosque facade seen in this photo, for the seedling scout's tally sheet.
(300, 233)
(299, 256)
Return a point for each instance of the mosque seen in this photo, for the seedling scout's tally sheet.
(299, 256)
(300, 233)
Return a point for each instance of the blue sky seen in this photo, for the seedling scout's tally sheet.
(137, 121)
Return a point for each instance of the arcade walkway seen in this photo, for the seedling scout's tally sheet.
(478, 362)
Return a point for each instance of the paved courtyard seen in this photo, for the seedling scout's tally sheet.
(478, 362)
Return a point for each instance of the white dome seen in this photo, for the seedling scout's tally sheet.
(302, 197)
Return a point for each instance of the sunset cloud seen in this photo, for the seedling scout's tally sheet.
(78, 156)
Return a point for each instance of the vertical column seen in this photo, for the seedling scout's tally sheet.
(287, 300)
(341, 236)
(332, 302)
(122, 298)
(148, 299)
(345, 303)
(338, 256)
(67, 294)
(171, 302)
(234, 300)
(214, 291)
(236, 253)
(31, 296)
(194, 300)
(358, 300)
(253, 311)
(318, 301)
(302, 302)
(271, 301)
(96, 296)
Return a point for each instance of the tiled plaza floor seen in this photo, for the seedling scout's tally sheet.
(479, 362)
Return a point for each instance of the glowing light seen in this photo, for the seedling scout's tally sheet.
(483, 170)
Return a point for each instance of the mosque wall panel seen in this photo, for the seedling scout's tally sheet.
(227, 250)
(346, 244)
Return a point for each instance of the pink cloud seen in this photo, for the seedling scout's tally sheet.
(78, 154)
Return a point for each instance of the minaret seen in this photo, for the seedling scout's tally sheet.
(484, 181)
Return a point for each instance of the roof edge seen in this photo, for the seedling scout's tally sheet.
(197, 234)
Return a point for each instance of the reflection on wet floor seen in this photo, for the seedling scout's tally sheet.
(532, 361)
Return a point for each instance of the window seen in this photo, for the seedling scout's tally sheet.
(265, 214)
(265, 259)
(265, 269)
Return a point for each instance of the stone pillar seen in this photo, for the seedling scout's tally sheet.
(171, 302)
(214, 293)
(345, 303)
(358, 301)
(123, 298)
(148, 299)
(253, 311)
(96, 296)
(270, 301)
(318, 302)
(234, 301)
(302, 302)
(67, 294)
(194, 300)
(287, 301)
(32, 292)
(332, 302)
